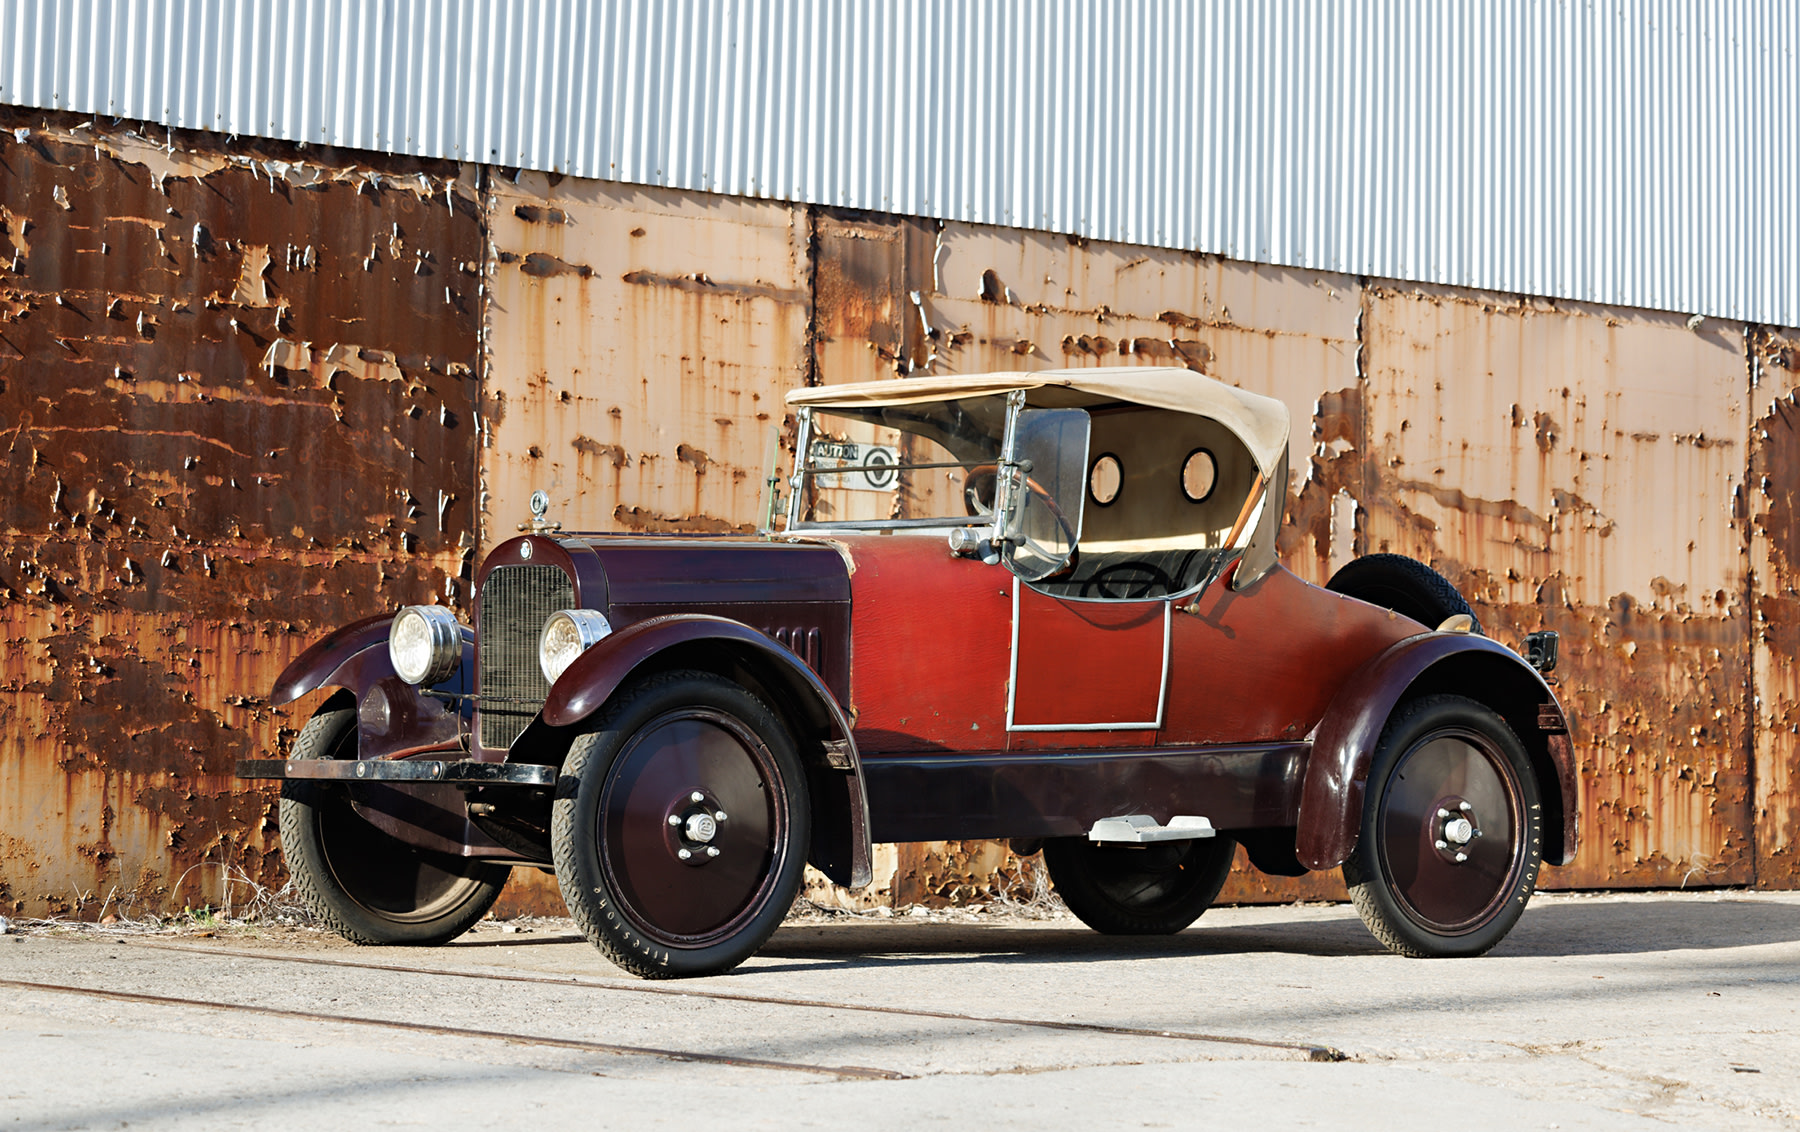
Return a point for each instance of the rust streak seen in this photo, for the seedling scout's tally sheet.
(699, 283)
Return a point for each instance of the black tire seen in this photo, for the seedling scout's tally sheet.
(360, 882)
(617, 855)
(1155, 889)
(1404, 585)
(1441, 759)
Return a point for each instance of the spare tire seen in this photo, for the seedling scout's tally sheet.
(1404, 585)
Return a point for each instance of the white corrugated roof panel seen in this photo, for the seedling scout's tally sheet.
(1639, 152)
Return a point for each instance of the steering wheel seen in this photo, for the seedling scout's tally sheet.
(974, 491)
(1151, 581)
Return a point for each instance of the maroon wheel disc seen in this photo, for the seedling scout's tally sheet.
(685, 875)
(1450, 825)
(382, 875)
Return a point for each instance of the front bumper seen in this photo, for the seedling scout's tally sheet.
(401, 770)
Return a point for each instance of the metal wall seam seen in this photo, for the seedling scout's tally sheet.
(1630, 153)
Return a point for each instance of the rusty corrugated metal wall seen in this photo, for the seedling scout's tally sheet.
(237, 390)
(1773, 510)
(1577, 468)
(403, 351)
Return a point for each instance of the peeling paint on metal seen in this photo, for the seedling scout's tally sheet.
(641, 390)
(1542, 457)
(191, 497)
(1773, 509)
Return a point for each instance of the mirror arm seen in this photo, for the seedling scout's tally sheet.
(1006, 478)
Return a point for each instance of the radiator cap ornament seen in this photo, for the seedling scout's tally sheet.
(540, 507)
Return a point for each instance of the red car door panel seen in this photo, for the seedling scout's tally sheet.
(931, 638)
(1088, 665)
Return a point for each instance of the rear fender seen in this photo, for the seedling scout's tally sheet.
(1337, 773)
(393, 718)
(841, 848)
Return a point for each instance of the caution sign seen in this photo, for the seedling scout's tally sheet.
(865, 467)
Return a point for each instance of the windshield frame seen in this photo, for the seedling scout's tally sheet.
(993, 526)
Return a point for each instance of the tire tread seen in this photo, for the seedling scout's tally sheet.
(1423, 594)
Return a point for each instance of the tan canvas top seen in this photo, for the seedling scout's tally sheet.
(1261, 422)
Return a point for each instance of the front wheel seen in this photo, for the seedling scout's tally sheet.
(680, 839)
(1452, 832)
(361, 883)
(1155, 889)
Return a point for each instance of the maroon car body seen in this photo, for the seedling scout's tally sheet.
(931, 692)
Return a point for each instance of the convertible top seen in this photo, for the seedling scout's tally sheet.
(1260, 422)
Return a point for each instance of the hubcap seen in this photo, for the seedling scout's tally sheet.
(694, 824)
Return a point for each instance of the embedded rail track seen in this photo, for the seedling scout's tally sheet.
(1298, 1050)
(854, 1071)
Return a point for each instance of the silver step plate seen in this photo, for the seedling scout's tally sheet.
(1138, 829)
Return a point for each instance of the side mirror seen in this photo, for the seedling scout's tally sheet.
(1540, 651)
(1042, 522)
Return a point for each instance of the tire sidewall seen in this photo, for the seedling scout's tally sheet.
(575, 838)
(1070, 861)
(1366, 872)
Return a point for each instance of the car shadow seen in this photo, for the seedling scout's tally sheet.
(888, 943)
(1572, 927)
(1549, 929)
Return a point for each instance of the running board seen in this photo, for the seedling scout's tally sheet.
(1138, 829)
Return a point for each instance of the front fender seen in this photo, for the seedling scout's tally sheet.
(1337, 773)
(842, 848)
(399, 722)
(319, 665)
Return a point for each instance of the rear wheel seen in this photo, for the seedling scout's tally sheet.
(681, 841)
(1154, 889)
(1452, 832)
(361, 883)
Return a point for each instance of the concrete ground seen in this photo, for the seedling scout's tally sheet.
(1619, 1011)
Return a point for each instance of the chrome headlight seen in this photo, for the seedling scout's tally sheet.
(567, 634)
(425, 644)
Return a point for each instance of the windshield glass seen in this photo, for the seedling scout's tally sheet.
(929, 465)
(1052, 446)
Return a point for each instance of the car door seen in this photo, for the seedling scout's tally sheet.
(1094, 668)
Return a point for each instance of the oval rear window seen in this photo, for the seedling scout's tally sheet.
(1199, 475)
(1105, 478)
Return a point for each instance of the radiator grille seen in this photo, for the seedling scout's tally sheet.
(515, 603)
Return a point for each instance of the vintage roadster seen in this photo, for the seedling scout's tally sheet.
(1044, 607)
